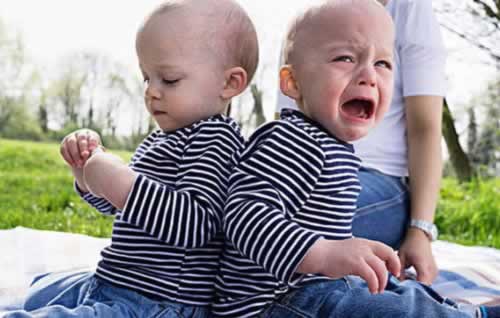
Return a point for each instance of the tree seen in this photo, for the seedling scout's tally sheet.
(16, 79)
(458, 157)
(258, 110)
(43, 115)
(471, 130)
(490, 9)
(66, 92)
(486, 150)
(479, 26)
(116, 91)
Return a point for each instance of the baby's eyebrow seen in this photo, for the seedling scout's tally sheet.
(347, 45)
(339, 45)
(167, 66)
(160, 67)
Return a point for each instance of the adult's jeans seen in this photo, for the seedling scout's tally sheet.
(383, 208)
(85, 295)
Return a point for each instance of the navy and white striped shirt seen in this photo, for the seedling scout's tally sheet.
(294, 184)
(167, 241)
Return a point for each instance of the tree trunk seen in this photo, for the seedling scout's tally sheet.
(459, 160)
(257, 108)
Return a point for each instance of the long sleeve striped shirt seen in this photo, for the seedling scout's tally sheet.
(294, 183)
(167, 240)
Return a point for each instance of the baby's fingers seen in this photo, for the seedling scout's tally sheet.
(94, 141)
(66, 155)
(73, 148)
(366, 272)
(379, 268)
(390, 258)
(83, 147)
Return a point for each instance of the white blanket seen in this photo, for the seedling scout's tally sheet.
(26, 253)
(467, 274)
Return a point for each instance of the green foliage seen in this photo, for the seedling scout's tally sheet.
(36, 191)
(17, 122)
(469, 213)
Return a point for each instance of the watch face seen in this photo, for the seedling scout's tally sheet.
(434, 232)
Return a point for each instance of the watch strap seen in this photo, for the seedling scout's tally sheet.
(427, 227)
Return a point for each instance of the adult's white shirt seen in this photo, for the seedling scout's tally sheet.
(419, 69)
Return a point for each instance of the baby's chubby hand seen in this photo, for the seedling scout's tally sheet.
(368, 259)
(77, 147)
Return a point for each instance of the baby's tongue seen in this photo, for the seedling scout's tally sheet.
(355, 108)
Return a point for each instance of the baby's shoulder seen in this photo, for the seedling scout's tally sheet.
(286, 135)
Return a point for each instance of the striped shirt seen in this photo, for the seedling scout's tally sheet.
(294, 183)
(167, 241)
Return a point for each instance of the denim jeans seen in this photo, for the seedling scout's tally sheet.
(349, 298)
(85, 295)
(383, 208)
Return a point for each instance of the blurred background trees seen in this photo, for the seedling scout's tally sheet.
(87, 89)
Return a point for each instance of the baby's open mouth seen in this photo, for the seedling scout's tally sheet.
(359, 108)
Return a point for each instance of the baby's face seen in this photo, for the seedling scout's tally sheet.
(344, 69)
(183, 82)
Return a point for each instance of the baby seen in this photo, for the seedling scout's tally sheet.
(168, 202)
(289, 249)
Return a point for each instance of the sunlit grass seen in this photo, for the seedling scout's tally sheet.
(36, 191)
(470, 213)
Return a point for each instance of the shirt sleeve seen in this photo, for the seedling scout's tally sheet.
(190, 214)
(274, 178)
(421, 49)
(100, 204)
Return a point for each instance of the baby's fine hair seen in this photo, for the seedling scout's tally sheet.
(230, 31)
(305, 17)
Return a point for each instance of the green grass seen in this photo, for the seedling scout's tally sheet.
(470, 213)
(36, 191)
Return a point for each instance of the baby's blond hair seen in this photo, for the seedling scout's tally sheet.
(228, 32)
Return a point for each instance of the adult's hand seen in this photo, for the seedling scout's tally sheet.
(416, 251)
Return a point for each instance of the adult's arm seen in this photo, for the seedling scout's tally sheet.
(423, 116)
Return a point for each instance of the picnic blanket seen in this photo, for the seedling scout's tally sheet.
(467, 274)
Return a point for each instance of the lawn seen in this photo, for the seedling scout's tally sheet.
(36, 191)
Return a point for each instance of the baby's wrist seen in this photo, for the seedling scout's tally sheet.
(314, 259)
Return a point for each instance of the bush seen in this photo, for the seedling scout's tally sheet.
(469, 213)
(18, 122)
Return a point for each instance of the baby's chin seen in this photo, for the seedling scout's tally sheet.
(351, 134)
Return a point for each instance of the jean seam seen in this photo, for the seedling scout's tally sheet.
(383, 204)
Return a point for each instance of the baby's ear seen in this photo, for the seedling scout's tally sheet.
(235, 82)
(288, 84)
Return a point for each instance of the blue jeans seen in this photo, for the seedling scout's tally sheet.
(383, 208)
(85, 295)
(349, 298)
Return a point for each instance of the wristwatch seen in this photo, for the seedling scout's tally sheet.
(428, 228)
